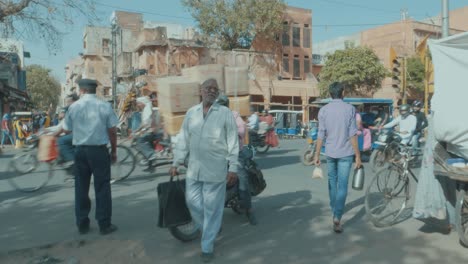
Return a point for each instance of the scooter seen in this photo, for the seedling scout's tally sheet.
(307, 157)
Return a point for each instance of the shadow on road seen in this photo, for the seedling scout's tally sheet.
(274, 162)
(293, 228)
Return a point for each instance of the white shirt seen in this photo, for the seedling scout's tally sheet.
(406, 125)
(253, 121)
(212, 142)
(56, 128)
(90, 118)
(147, 116)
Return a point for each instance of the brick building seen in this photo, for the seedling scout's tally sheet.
(403, 36)
(282, 77)
(97, 58)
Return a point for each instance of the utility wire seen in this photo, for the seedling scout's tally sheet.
(143, 12)
(358, 6)
(318, 25)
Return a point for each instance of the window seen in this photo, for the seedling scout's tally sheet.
(91, 69)
(84, 44)
(306, 35)
(105, 46)
(306, 65)
(285, 41)
(106, 91)
(285, 63)
(296, 67)
(296, 37)
(182, 66)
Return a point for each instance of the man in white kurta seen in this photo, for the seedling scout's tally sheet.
(209, 134)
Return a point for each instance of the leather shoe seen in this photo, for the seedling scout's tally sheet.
(83, 229)
(108, 229)
(251, 217)
(207, 257)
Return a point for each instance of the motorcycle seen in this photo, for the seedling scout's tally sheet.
(385, 149)
(307, 157)
(259, 140)
(189, 232)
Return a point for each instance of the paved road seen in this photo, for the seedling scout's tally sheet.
(293, 213)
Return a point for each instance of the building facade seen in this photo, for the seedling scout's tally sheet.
(283, 78)
(403, 36)
(97, 58)
(13, 92)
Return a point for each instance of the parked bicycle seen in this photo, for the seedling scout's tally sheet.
(388, 193)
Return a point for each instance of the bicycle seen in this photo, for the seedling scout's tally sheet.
(388, 193)
(32, 174)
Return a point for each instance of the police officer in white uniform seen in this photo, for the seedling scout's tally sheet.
(93, 123)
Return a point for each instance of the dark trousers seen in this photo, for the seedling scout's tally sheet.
(93, 160)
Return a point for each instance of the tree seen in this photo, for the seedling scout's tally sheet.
(415, 73)
(43, 88)
(358, 68)
(232, 24)
(42, 19)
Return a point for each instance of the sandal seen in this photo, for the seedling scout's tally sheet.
(337, 227)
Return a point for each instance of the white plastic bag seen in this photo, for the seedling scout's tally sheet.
(317, 173)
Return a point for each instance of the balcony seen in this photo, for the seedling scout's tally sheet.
(124, 64)
(151, 37)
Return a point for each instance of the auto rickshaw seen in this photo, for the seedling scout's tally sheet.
(368, 109)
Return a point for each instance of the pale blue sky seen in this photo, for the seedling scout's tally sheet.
(330, 19)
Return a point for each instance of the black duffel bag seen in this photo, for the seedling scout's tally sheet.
(257, 182)
(173, 210)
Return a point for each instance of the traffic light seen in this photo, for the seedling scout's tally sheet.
(397, 66)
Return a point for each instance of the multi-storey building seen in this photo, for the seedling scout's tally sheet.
(73, 73)
(282, 77)
(97, 60)
(402, 36)
(13, 92)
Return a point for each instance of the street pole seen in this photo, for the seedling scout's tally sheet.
(426, 85)
(445, 18)
(114, 64)
(403, 82)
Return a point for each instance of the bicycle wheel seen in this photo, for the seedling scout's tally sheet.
(462, 216)
(28, 174)
(25, 162)
(386, 196)
(125, 164)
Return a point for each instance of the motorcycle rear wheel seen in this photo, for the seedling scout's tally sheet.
(185, 233)
(308, 157)
(262, 150)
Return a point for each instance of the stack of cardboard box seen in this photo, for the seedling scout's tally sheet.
(177, 94)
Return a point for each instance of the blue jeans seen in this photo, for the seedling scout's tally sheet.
(66, 149)
(145, 143)
(205, 201)
(9, 136)
(338, 175)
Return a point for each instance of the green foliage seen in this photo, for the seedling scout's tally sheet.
(358, 68)
(234, 24)
(415, 73)
(43, 88)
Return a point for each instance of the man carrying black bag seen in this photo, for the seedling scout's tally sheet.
(173, 209)
(209, 134)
